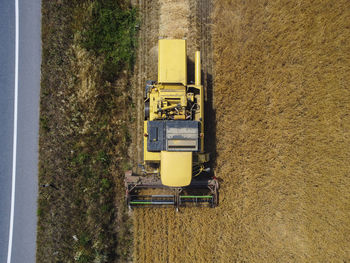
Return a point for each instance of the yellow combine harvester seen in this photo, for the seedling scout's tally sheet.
(174, 157)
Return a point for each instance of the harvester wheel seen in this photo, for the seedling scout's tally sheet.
(146, 110)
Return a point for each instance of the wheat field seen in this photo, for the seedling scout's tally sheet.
(282, 122)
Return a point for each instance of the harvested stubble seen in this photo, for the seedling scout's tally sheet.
(173, 21)
(282, 96)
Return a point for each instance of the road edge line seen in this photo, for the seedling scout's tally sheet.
(14, 156)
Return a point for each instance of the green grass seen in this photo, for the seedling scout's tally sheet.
(86, 64)
(111, 31)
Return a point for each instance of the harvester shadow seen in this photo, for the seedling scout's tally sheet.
(209, 117)
(209, 112)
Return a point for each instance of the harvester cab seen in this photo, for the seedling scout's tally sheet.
(174, 168)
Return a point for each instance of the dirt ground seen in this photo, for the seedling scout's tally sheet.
(278, 128)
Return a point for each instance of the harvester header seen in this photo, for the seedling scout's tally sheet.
(174, 156)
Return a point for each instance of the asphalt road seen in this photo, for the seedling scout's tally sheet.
(25, 207)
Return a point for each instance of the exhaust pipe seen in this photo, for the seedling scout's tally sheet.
(198, 83)
(197, 62)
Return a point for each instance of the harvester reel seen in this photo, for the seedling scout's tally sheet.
(199, 193)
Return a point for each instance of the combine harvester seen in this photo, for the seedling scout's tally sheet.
(173, 172)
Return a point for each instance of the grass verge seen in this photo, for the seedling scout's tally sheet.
(87, 57)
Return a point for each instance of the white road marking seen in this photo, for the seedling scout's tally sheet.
(14, 156)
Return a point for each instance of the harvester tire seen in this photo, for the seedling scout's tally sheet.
(146, 110)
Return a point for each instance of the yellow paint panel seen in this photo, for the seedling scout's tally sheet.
(176, 168)
(172, 64)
